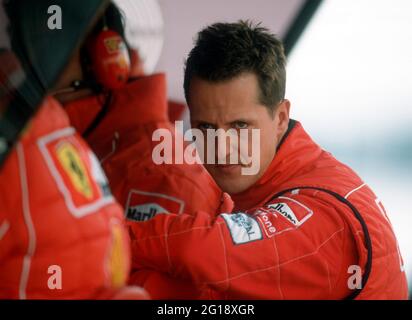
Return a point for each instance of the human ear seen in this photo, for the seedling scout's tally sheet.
(282, 118)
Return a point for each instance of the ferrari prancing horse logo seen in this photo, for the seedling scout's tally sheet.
(76, 171)
(75, 168)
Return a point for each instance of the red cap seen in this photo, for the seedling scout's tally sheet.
(110, 59)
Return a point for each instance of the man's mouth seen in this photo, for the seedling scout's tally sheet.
(227, 168)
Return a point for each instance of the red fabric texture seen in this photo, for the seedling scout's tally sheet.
(58, 218)
(123, 143)
(297, 246)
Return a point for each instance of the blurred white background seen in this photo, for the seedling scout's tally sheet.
(350, 83)
(183, 19)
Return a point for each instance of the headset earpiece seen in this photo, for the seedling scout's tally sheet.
(110, 60)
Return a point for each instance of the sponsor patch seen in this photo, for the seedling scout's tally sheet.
(112, 44)
(284, 210)
(243, 228)
(266, 220)
(142, 206)
(74, 168)
(298, 215)
(77, 172)
(282, 216)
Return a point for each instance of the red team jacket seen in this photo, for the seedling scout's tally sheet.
(123, 143)
(61, 231)
(310, 228)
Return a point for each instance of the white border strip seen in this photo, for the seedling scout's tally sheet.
(4, 228)
(354, 190)
(29, 223)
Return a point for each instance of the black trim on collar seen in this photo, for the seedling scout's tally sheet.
(291, 125)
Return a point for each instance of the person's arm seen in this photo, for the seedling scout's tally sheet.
(295, 247)
(152, 190)
(177, 192)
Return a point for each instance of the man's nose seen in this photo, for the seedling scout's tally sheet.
(226, 144)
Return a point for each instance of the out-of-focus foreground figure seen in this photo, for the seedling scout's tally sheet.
(61, 230)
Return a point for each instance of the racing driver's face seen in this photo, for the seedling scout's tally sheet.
(234, 104)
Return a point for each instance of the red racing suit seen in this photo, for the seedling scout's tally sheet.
(310, 228)
(62, 235)
(123, 142)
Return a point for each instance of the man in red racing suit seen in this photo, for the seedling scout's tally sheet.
(295, 234)
(61, 231)
(123, 143)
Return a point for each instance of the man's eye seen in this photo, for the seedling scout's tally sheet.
(205, 126)
(240, 125)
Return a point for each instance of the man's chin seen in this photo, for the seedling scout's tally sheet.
(230, 178)
(233, 185)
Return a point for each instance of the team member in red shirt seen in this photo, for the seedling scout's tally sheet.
(305, 226)
(62, 233)
(118, 124)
